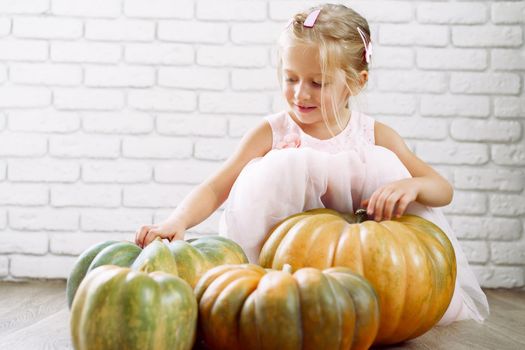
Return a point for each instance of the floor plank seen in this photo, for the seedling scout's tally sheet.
(34, 315)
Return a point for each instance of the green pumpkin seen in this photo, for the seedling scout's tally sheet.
(187, 259)
(120, 308)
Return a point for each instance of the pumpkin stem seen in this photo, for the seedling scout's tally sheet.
(287, 268)
(361, 215)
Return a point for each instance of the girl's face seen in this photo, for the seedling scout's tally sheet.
(302, 82)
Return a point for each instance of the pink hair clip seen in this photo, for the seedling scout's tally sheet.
(368, 48)
(312, 17)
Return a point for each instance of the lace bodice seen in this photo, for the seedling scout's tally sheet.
(287, 134)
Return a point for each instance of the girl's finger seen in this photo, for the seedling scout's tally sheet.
(372, 203)
(402, 206)
(140, 234)
(390, 203)
(380, 204)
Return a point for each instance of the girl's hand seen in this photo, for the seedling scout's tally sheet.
(147, 233)
(391, 199)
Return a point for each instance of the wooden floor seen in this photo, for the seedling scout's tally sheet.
(34, 315)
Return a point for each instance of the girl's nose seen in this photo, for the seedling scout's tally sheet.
(302, 92)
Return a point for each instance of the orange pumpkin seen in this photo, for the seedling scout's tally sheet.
(247, 307)
(409, 261)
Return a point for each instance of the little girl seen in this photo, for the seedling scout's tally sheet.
(322, 153)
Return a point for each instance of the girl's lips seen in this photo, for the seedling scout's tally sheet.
(305, 109)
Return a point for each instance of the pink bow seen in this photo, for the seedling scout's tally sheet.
(289, 141)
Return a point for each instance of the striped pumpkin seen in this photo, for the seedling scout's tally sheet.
(120, 308)
(247, 307)
(409, 261)
(187, 259)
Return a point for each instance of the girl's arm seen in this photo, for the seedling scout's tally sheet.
(204, 199)
(426, 185)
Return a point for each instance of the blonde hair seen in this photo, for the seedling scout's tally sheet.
(340, 46)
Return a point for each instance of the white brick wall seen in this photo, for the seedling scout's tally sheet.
(111, 111)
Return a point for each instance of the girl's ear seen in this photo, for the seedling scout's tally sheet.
(363, 77)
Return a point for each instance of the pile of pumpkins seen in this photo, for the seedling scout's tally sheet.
(326, 280)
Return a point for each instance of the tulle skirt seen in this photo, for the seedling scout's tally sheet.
(288, 181)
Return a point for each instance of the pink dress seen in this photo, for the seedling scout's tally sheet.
(302, 172)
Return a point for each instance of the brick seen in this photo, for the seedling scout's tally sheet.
(221, 56)
(183, 9)
(45, 74)
(454, 106)
(392, 57)
(508, 59)
(391, 103)
(193, 32)
(184, 171)
(254, 79)
(193, 78)
(385, 11)
(507, 204)
(117, 122)
(19, 145)
(77, 243)
(215, 149)
(90, 146)
(489, 179)
(199, 125)
(417, 128)
(508, 12)
(231, 10)
(154, 196)
(157, 53)
(3, 74)
(410, 34)
(2, 121)
(451, 13)
(453, 153)
(485, 83)
(47, 28)
(82, 8)
(24, 6)
(3, 218)
(83, 52)
(120, 30)
(506, 253)
(467, 203)
(5, 26)
(38, 170)
(481, 130)
(43, 219)
(409, 81)
(81, 195)
(24, 243)
(476, 252)
(485, 228)
(23, 194)
(255, 33)
(32, 267)
(119, 171)
(97, 99)
(500, 276)
(284, 10)
(27, 50)
(157, 147)
(446, 59)
(43, 121)
(4, 266)
(486, 36)
(162, 100)
(230, 102)
(25, 97)
(119, 76)
(509, 107)
(508, 154)
(114, 220)
(238, 126)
